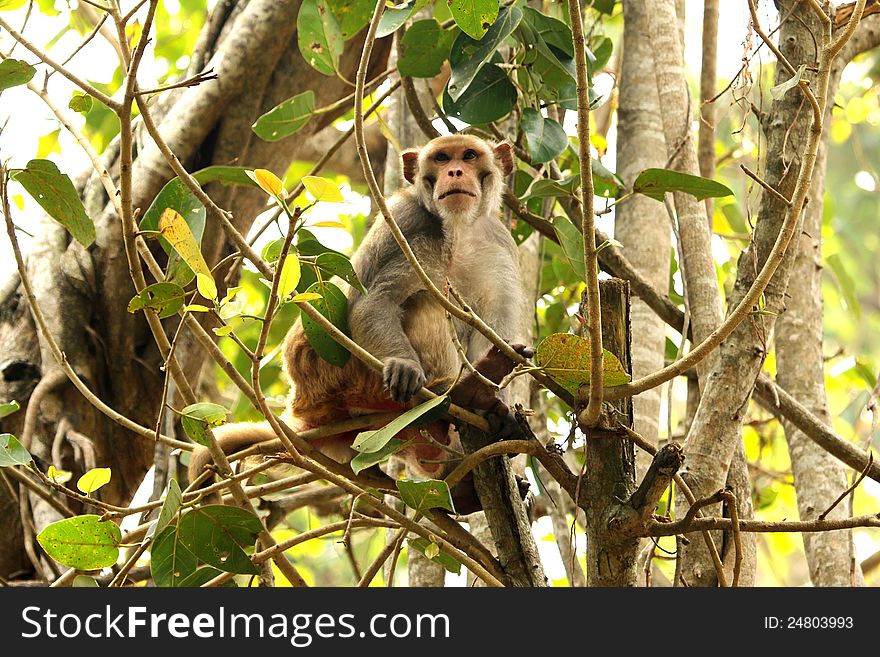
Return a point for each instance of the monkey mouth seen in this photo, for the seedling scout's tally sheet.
(452, 192)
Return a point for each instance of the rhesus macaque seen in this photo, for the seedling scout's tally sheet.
(449, 216)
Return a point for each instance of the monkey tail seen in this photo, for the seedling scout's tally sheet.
(232, 438)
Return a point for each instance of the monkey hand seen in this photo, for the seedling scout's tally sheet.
(402, 378)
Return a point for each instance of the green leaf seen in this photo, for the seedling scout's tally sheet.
(178, 197)
(219, 535)
(423, 545)
(85, 582)
(572, 242)
(334, 306)
(566, 359)
(606, 183)
(654, 183)
(272, 250)
(474, 17)
(367, 459)
(12, 452)
(289, 277)
(545, 138)
(423, 49)
(197, 419)
(318, 36)
(783, 88)
(602, 51)
(425, 494)
(58, 197)
(171, 562)
(468, 55)
(165, 298)
(551, 31)
(353, 15)
(322, 189)
(8, 408)
(81, 102)
(93, 480)
(224, 174)
(546, 188)
(373, 441)
(83, 542)
(233, 304)
(337, 264)
(171, 505)
(14, 72)
(286, 118)
(491, 96)
(202, 576)
(394, 17)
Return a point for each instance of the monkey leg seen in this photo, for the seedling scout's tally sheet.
(473, 393)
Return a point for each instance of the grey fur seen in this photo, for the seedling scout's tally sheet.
(473, 250)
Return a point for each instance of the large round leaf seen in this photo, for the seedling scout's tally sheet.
(545, 138)
(469, 55)
(56, 194)
(566, 359)
(491, 96)
(334, 306)
(423, 49)
(474, 17)
(83, 542)
(219, 535)
(319, 37)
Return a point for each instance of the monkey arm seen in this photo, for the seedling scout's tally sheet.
(376, 323)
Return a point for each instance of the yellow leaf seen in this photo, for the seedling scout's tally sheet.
(58, 476)
(267, 181)
(322, 189)
(306, 296)
(206, 285)
(329, 224)
(174, 228)
(289, 276)
(196, 308)
(93, 480)
(48, 144)
(432, 550)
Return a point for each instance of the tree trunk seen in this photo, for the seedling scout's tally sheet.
(717, 428)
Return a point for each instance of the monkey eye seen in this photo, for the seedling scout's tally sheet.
(470, 155)
(441, 157)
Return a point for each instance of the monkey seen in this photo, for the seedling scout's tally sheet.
(449, 215)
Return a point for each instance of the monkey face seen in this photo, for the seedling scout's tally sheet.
(455, 174)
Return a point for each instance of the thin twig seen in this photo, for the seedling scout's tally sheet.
(855, 484)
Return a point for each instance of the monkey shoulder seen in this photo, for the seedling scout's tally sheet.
(380, 259)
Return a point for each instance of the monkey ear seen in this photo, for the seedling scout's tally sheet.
(410, 165)
(504, 156)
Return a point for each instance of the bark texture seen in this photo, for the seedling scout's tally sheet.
(698, 266)
(610, 472)
(641, 224)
